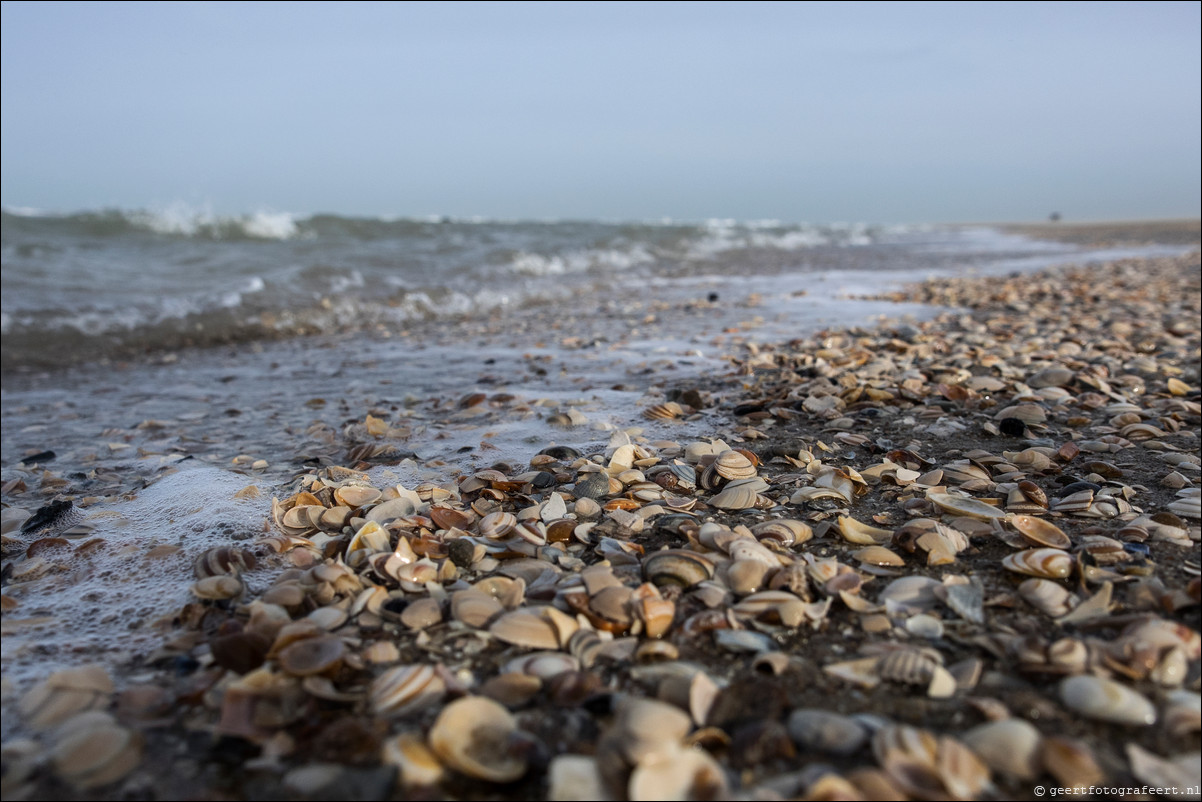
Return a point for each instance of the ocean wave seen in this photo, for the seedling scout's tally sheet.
(173, 220)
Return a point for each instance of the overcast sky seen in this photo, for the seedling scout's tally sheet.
(892, 112)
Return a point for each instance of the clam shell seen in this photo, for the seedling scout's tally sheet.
(1106, 700)
(1048, 597)
(476, 736)
(404, 689)
(677, 773)
(677, 567)
(739, 494)
(1043, 563)
(862, 534)
(1011, 746)
(64, 694)
(1040, 532)
(417, 766)
(959, 505)
(526, 628)
(733, 464)
(93, 750)
(312, 655)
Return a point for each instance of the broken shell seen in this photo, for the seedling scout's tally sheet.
(476, 736)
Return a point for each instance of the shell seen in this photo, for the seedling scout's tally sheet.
(1043, 563)
(677, 567)
(1039, 532)
(310, 656)
(404, 689)
(959, 505)
(476, 736)
(93, 750)
(1106, 700)
(1011, 746)
(1047, 597)
(733, 464)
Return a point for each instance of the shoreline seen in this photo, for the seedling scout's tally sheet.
(849, 399)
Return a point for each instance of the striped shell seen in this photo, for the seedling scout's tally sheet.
(1043, 563)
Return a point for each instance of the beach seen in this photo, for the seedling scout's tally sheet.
(671, 532)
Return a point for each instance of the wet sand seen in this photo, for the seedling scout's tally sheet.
(1066, 382)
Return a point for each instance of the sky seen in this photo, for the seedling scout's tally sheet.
(879, 112)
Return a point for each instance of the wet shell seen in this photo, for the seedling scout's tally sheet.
(223, 560)
(825, 731)
(1106, 700)
(404, 689)
(1040, 532)
(677, 773)
(1043, 563)
(218, 588)
(476, 736)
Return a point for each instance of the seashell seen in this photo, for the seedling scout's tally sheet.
(1040, 532)
(496, 525)
(677, 567)
(543, 665)
(392, 509)
(1106, 700)
(448, 518)
(739, 494)
(405, 689)
(311, 656)
(1011, 746)
(878, 555)
(64, 694)
(356, 496)
(525, 627)
(785, 531)
(666, 411)
(218, 588)
(1071, 762)
(417, 766)
(475, 607)
(824, 731)
(747, 576)
(854, 531)
(1048, 597)
(960, 505)
(733, 464)
(677, 773)
(1054, 376)
(908, 665)
(1043, 563)
(477, 737)
(967, 600)
(223, 560)
(592, 485)
(93, 750)
(1027, 413)
(1077, 502)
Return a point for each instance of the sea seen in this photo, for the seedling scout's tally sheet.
(171, 370)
